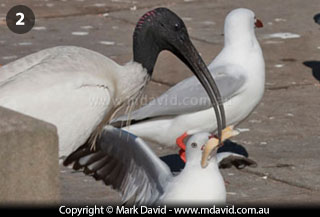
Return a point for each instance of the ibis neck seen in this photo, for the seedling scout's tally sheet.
(145, 49)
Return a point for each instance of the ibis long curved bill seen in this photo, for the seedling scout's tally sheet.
(189, 55)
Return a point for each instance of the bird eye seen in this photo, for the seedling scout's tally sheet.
(177, 26)
(194, 145)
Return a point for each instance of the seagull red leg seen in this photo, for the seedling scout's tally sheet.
(180, 142)
(182, 146)
(182, 155)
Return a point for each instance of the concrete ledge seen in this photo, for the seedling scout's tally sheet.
(29, 167)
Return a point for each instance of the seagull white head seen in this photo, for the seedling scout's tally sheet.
(205, 145)
(239, 26)
(195, 145)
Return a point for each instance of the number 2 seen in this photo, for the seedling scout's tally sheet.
(19, 22)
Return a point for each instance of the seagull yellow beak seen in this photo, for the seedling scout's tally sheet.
(213, 143)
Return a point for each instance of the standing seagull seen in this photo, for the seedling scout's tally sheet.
(79, 90)
(128, 164)
(239, 72)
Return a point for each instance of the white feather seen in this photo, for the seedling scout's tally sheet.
(70, 87)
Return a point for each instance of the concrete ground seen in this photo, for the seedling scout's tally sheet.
(284, 129)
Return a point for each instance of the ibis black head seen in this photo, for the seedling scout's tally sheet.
(157, 30)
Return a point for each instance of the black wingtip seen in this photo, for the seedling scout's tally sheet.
(80, 152)
(238, 162)
(229, 146)
(316, 18)
(174, 162)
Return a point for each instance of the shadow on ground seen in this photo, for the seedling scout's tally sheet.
(315, 66)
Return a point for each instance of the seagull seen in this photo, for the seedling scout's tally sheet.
(239, 72)
(126, 162)
(79, 90)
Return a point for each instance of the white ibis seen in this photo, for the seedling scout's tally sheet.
(79, 90)
(126, 162)
(239, 72)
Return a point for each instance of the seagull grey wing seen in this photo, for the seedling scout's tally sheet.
(125, 162)
(189, 96)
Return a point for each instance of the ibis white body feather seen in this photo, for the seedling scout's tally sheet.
(239, 72)
(71, 87)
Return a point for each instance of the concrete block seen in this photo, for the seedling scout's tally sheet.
(29, 167)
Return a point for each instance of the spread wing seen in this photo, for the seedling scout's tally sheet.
(125, 162)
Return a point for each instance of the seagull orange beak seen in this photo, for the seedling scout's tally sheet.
(208, 148)
(213, 143)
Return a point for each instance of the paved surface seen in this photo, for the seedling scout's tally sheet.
(284, 130)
